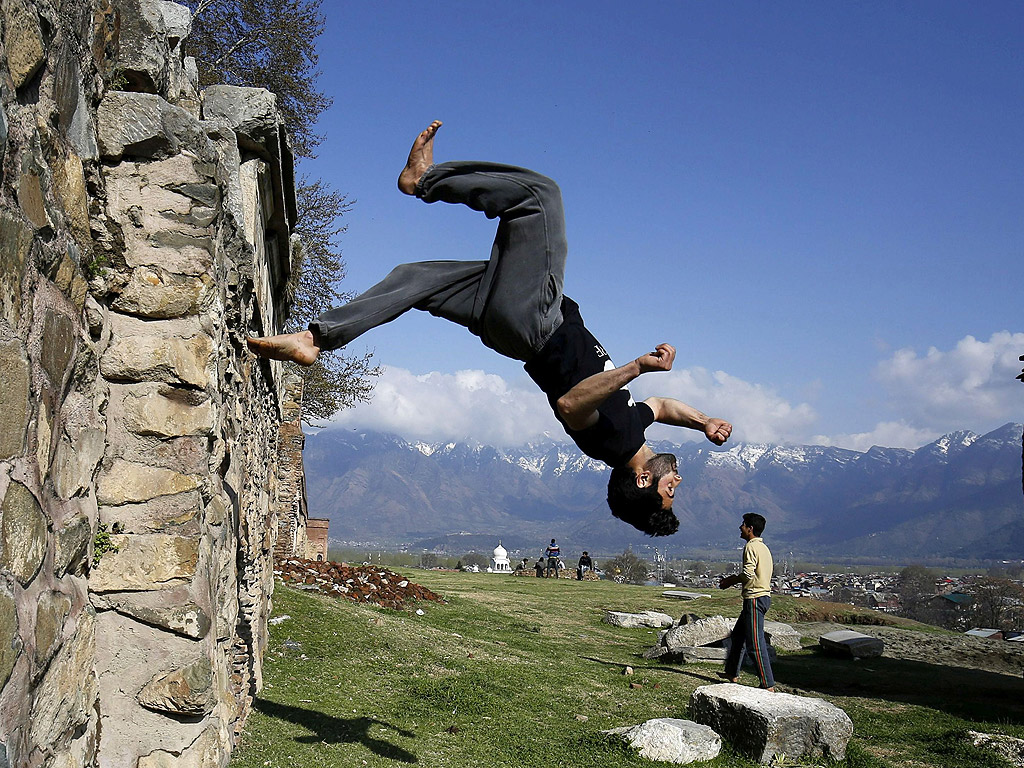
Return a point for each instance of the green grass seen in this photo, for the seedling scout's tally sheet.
(521, 672)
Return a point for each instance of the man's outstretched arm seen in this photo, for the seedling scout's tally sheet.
(678, 414)
(578, 407)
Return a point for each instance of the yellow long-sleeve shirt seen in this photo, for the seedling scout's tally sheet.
(757, 569)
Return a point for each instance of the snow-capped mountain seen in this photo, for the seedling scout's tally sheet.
(959, 496)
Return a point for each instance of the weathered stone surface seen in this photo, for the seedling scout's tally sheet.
(670, 740)
(156, 293)
(128, 653)
(31, 199)
(782, 636)
(251, 112)
(145, 561)
(191, 258)
(705, 631)
(150, 33)
(75, 463)
(51, 611)
(851, 645)
(698, 654)
(126, 482)
(155, 358)
(144, 125)
(630, 620)
(10, 641)
(153, 413)
(69, 184)
(23, 41)
(14, 400)
(66, 696)
(172, 609)
(184, 691)
(204, 751)
(22, 533)
(44, 434)
(58, 346)
(177, 514)
(172, 173)
(1007, 747)
(72, 546)
(764, 725)
(74, 119)
(15, 241)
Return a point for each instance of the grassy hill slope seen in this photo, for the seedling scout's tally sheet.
(522, 673)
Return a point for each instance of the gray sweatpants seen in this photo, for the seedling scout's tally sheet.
(512, 301)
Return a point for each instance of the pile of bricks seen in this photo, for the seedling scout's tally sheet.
(363, 583)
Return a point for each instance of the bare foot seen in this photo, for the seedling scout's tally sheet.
(421, 157)
(297, 347)
(724, 676)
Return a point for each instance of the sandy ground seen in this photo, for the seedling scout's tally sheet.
(954, 650)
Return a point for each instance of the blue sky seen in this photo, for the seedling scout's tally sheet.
(819, 205)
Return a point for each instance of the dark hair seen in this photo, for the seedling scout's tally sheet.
(755, 521)
(640, 507)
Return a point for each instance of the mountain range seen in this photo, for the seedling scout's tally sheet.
(956, 498)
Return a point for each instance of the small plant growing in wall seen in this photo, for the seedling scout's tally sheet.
(102, 542)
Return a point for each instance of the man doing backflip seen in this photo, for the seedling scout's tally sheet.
(513, 301)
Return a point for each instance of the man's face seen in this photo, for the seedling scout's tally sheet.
(746, 532)
(663, 469)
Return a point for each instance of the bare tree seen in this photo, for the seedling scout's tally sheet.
(273, 45)
(998, 603)
(265, 45)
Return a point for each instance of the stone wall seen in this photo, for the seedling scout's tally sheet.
(145, 232)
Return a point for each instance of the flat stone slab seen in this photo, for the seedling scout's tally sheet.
(712, 629)
(645, 619)
(671, 740)
(851, 644)
(678, 594)
(765, 725)
(700, 653)
(782, 636)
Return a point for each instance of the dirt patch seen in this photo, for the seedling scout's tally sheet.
(363, 584)
(945, 650)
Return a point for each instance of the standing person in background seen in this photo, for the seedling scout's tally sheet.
(585, 564)
(552, 553)
(756, 578)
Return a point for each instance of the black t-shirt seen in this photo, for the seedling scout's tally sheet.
(571, 355)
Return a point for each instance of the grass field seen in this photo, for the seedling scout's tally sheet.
(522, 672)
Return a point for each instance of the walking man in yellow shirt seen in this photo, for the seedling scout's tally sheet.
(756, 578)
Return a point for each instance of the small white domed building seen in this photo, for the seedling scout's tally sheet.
(499, 560)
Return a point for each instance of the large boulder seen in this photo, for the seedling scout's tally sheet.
(672, 741)
(712, 629)
(851, 645)
(765, 725)
(645, 619)
(782, 636)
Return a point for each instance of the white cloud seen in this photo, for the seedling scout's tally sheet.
(891, 434)
(453, 406)
(758, 413)
(971, 386)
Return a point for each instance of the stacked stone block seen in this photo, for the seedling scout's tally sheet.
(145, 232)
